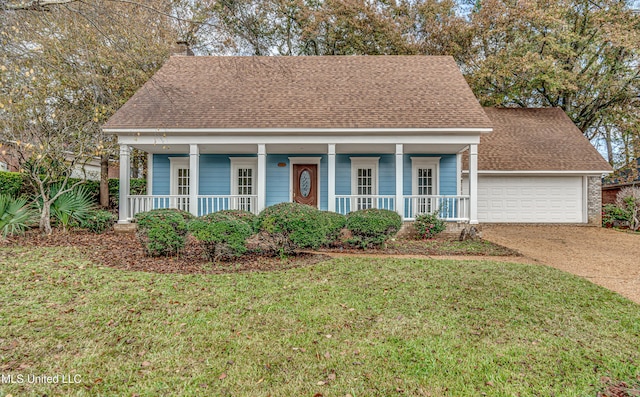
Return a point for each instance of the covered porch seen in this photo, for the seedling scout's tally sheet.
(411, 175)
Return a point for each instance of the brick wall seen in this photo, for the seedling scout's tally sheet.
(594, 201)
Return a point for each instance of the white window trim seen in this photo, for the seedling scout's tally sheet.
(243, 162)
(304, 160)
(425, 162)
(364, 162)
(177, 162)
(4, 166)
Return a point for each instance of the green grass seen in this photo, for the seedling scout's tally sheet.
(352, 326)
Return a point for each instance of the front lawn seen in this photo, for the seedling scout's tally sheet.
(362, 327)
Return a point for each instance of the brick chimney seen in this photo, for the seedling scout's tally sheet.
(181, 48)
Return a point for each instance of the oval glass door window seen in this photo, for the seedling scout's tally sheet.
(305, 183)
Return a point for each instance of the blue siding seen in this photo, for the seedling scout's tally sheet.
(277, 179)
(215, 174)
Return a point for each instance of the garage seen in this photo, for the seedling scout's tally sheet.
(530, 199)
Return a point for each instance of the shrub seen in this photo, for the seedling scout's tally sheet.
(72, 206)
(429, 225)
(296, 225)
(334, 223)
(98, 221)
(10, 183)
(628, 199)
(373, 226)
(614, 216)
(221, 235)
(241, 215)
(15, 215)
(162, 232)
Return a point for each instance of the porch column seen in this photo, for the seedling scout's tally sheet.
(262, 176)
(194, 179)
(473, 184)
(331, 182)
(125, 174)
(399, 180)
(149, 174)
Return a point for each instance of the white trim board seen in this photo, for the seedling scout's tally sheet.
(304, 160)
(160, 141)
(236, 131)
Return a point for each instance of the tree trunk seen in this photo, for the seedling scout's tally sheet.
(45, 218)
(104, 181)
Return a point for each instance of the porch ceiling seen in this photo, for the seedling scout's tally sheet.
(302, 148)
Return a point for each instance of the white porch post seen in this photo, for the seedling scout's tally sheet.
(125, 174)
(331, 182)
(262, 176)
(473, 184)
(149, 174)
(399, 180)
(459, 173)
(194, 179)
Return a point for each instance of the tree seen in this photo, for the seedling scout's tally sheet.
(580, 55)
(64, 72)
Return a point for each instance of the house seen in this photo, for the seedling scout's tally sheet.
(347, 133)
(627, 176)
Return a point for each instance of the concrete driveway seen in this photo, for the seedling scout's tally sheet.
(606, 257)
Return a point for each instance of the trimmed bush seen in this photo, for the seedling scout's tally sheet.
(373, 226)
(294, 225)
(98, 221)
(334, 223)
(221, 236)
(429, 225)
(241, 215)
(10, 183)
(162, 232)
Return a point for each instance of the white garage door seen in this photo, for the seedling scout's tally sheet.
(529, 199)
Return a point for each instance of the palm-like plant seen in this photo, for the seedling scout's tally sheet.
(74, 205)
(15, 215)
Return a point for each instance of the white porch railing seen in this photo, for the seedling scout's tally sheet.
(449, 208)
(209, 204)
(349, 203)
(147, 203)
(206, 204)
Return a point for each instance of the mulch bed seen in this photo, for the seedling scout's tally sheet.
(123, 251)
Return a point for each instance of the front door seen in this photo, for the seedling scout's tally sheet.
(305, 184)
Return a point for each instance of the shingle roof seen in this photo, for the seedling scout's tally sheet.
(540, 139)
(304, 92)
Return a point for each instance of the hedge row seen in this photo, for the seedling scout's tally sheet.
(279, 230)
(13, 184)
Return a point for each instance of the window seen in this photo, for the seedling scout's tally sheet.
(243, 183)
(424, 172)
(364, 181)
(3, 166)
(180, 182)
